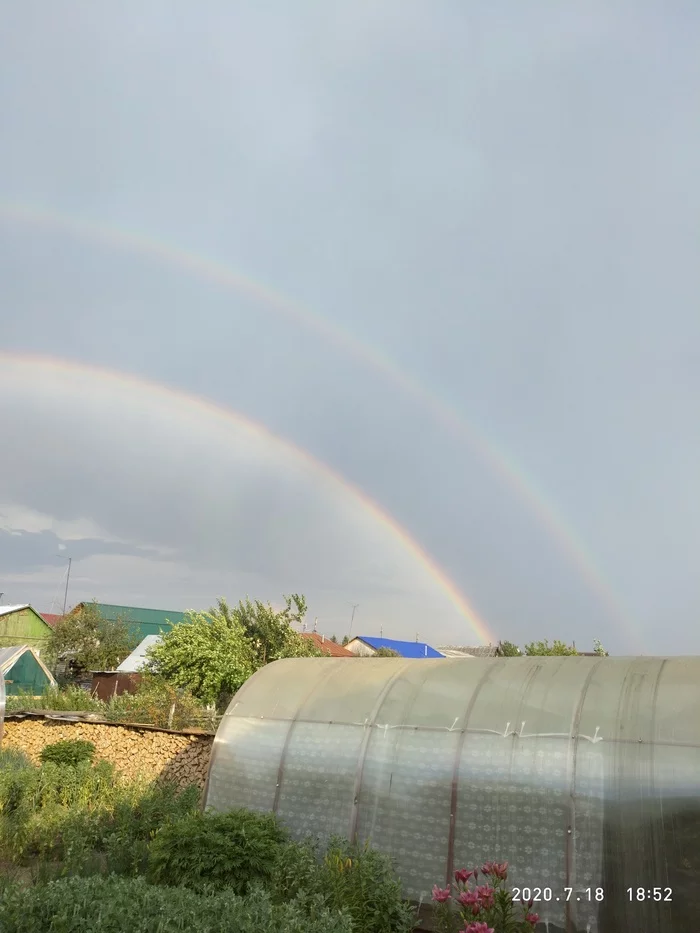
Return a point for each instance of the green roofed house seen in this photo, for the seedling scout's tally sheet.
(141, 622)
(22, 625)
(23, 671)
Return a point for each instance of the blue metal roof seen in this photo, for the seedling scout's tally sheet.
(407, 649)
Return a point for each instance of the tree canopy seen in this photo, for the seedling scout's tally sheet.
(542, 648)
(213, 653)
(91, 642)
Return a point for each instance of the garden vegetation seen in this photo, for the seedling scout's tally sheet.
(83, 849)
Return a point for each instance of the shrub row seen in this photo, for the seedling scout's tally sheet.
(117, 905)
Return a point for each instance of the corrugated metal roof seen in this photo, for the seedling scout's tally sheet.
(162, 617)
(51, 618)
(137, 659)
(407, 649)
(6, 610)
(476, 651)
(141, 622)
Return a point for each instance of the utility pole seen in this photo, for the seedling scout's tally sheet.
(352, 617)
(65, 595)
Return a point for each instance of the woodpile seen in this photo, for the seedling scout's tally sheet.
(149, 753)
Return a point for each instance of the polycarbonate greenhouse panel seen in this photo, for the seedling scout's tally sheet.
(583, 773)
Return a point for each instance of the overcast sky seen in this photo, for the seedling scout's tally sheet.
(447, 251)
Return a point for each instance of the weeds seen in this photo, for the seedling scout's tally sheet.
(155, 703)
(67, 813)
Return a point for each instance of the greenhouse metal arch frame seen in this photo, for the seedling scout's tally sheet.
(583, 772)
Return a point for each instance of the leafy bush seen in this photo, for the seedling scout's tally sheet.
(216, 850)
(482, 908)
(113, 905)
(68, 752)
(139, 813)
(350, 876)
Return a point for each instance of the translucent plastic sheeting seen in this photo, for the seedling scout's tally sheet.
(583, 773)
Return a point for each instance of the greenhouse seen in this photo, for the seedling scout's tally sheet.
(583, 773)
(23, 671)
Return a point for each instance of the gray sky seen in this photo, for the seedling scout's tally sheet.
(502, 204)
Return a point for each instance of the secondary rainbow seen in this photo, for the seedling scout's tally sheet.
(497, 460)
(194, 404)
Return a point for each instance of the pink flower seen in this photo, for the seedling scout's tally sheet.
(532, 918)
(462, 875)
(498, 870)
(485, 894)
(468, 898)
(441, 894)
(477, 928)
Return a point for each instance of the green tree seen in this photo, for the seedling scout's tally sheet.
(270, 631)
(507, 649)
(558, 648)
(345, 640)
(213, 653)
(91, 642)
(598, 648)
(386, 653)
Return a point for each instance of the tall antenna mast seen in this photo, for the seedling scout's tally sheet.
(65, 595)
(352, 617)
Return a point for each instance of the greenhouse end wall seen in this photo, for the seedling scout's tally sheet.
(583, 773)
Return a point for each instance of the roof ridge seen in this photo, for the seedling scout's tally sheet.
(141, 608)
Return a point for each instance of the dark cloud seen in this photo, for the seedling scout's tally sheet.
(27, 551)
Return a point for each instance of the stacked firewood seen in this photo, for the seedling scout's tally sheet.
(135, 751)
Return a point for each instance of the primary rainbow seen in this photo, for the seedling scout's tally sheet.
(187, 403)
(498, 461)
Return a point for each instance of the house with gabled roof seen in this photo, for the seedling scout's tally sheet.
(22, 625)
(327, 645)
(367, 646)
(141, 622)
